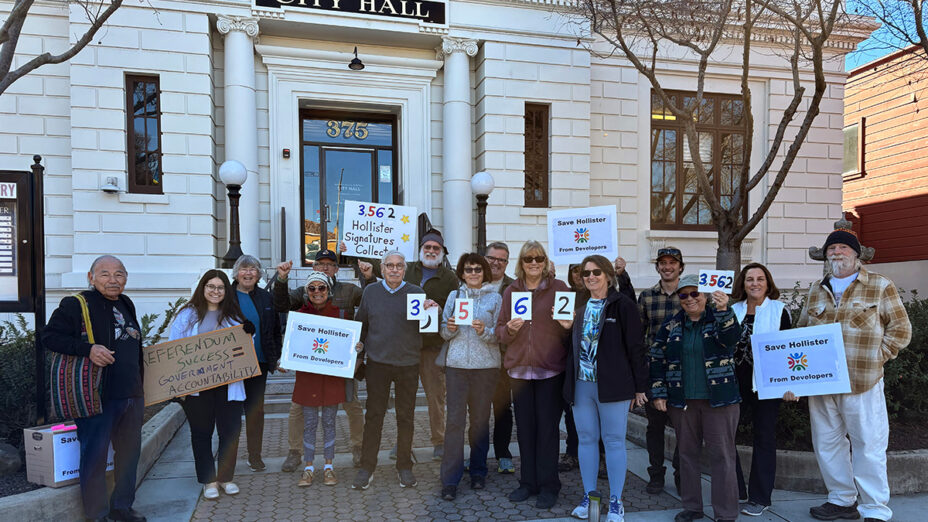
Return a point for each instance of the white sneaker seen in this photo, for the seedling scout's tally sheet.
(230, 488)
(211, 491)
(582, 511)
(616, 511)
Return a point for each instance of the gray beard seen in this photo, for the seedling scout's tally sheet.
(431, 263)
(840, 265)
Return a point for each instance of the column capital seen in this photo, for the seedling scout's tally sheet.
(248, 25)
(451, 45)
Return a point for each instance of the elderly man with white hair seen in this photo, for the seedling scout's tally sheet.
(875, 326)
(392, 346)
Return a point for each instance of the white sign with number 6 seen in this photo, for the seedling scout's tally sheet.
(712, 280)
(429, 321)
(522, 305)
(564, 305)
(464, 312)
(414, 306)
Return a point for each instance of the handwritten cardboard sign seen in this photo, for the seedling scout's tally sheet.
(320, 344)
(372, 229)
(193, 364)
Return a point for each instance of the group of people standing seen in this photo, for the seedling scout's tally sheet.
(684, 355)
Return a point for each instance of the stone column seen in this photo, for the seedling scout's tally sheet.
(241, 127)
(457, 142)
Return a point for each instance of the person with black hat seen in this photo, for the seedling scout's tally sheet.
(875, 326)
(438, 281)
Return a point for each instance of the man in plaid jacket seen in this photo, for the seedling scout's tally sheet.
(875, 326)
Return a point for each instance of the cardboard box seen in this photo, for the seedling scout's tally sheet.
(53, 455)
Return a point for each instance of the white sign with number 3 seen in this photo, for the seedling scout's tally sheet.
(712, 280)
(522, 305)
(564, 305)
(429, 320)
(415, 306)
(464, 312)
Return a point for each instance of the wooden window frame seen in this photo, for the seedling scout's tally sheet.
(717, 130)
(542, 178)
(861, 171)
(131, 186)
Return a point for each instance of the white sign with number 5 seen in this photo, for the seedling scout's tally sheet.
(415, 307)
(522, 305)
(712, 280)
(564, 305)
(464, 312)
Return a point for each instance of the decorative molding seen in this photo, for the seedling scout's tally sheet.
(260, 12)
(432, 29)
(450, 45)
(246, 24)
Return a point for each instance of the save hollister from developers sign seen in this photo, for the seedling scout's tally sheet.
(579, 232)
(805, 361)
(320, 344)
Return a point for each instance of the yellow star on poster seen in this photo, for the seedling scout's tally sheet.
(405, 220)
(405, 238)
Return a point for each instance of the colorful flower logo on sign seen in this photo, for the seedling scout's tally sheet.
(320, 345)
(581, 235)
(798, 362)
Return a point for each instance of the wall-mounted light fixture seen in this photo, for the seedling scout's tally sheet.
(356, 64)
(111, 186)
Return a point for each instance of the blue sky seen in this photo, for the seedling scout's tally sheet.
(880, 43)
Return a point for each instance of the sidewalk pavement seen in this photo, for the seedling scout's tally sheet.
(170, 491)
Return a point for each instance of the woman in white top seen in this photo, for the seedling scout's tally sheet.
(758, 311)
(213, 306)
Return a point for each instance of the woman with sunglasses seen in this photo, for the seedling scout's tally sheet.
(535, 360)
(471, 361)
(607, 375)
(314, 391)
(213, 306)
(758, 311)
(693, 380)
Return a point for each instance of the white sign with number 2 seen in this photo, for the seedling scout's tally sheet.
(429, 320)
(564, 305)
(464, 312)
(712, 280)
(415, 307)
(522, 305)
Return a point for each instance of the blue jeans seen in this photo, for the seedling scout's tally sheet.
(467, 390)
(608, 420)
(121, 423)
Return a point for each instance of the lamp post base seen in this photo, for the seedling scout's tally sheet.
(235, 242)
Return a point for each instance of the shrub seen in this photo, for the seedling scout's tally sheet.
(17, 379)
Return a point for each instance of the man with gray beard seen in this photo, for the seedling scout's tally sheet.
(875, 326)
(438, 282)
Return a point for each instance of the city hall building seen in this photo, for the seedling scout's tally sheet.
(133, 130)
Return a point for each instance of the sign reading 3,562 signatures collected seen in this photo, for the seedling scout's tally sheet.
(579, 232)
(805, 361)
(373, 229)
(193, 364)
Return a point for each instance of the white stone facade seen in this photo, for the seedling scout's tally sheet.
(500, 54)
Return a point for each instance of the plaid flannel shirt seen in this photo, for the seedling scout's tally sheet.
(874, 324)
(655, 307)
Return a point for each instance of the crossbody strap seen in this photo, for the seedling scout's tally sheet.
(85, 312)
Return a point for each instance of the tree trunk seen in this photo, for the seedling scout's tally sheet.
(728, 256)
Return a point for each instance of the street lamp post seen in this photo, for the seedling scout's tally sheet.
(481, 184)
(233, 175)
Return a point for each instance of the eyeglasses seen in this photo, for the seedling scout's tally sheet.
(536, 259)
(249, 270)
(596, 272)
(316, 289)
(214, 288)
(497, 260)
(684, 295)
(394, 266)
(473, 270)
(431, 248)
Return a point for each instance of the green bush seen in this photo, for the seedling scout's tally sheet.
(17, 379)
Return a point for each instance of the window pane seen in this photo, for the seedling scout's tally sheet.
(536, 155)
(385, 176)
(151, 132)
(138, 99)
(312, 226)
(695, 209)
(151, 99)
(732, 112)
(851, 153)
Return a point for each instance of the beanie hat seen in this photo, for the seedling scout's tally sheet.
(843, 235)
(432, 235)
(318, 277)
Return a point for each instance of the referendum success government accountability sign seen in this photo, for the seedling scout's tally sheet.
(319, 344)
(579, 232)
(805, 361)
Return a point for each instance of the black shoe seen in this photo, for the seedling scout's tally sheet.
(363, 479)
(449, 492)
(256, 464)
(478, 482)
(687, 515)
(407, 479)
(829, 511)
(520, 494)
(126, 515)
(871, 519)
(655, 485)
(546, 500)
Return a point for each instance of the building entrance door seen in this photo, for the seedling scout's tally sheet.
(345, 157)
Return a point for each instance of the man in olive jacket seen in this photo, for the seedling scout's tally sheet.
(438, 281)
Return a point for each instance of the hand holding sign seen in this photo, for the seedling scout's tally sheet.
(415, 304)
(712, 280)
(464, 312)
(522, 305)
(429, 321)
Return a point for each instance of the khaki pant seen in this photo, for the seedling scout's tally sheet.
(433, 381)
(355, 423)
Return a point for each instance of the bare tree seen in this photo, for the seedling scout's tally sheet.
(902, 22)
(646, 31)
(97, 12)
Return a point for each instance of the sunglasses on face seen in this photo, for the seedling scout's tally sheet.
(596, 272)
(473, 270)
(536, 259)
(316, 289)
(684, 295)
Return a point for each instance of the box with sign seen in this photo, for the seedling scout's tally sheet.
(53, 455)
